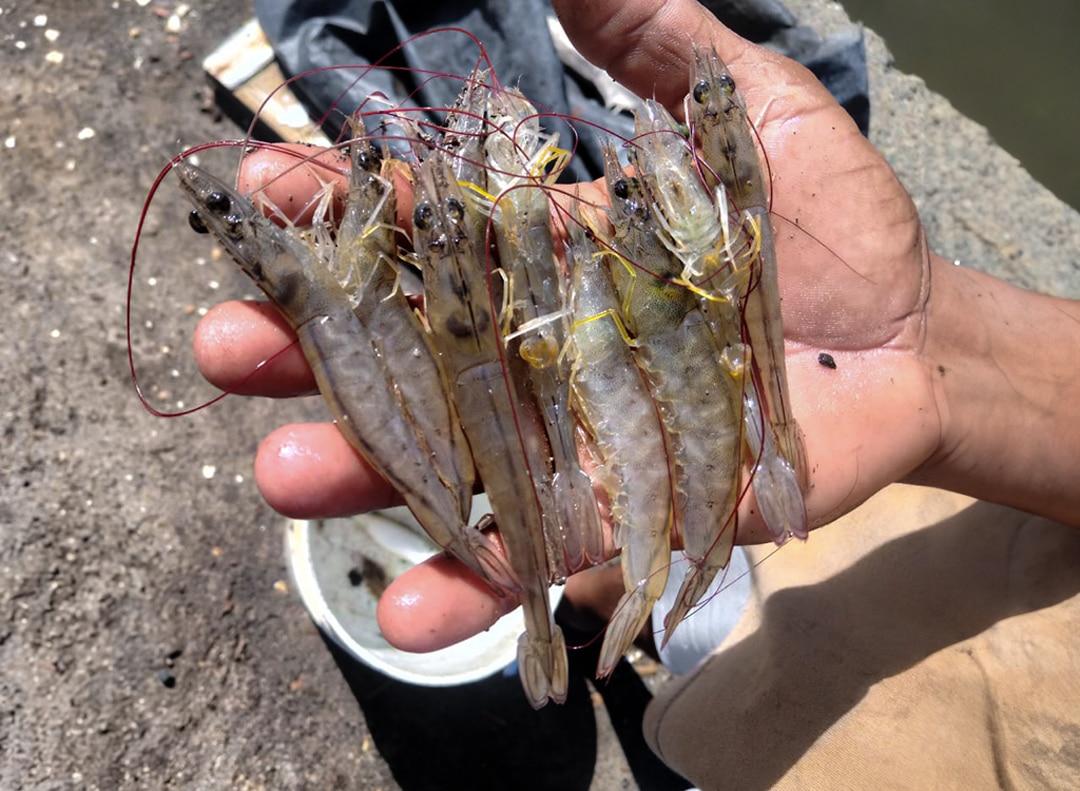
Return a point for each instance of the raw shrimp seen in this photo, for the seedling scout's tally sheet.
(365, 262)
(521, 158)
(676, 347)
(718, 260)
(460, 311)
(357, 378)
(718, 115)
(613, 402)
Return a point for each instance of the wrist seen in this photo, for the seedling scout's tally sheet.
(1004, 364)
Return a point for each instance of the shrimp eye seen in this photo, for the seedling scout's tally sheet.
(455, 209)
(196, 222)
(218, 202)
(421, 216)
(701, 92)
(368, 159)
(727, 84)
(630, 190)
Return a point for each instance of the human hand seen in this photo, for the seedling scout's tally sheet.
(854, 280)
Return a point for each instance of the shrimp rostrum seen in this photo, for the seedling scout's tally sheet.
(645, 338)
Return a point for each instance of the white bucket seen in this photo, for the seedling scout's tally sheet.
(339, 565)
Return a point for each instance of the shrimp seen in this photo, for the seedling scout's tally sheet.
(718, 114)
(677, 349)
(519, 157)
(364, 261)
(613, 403)
(356, 376)
(643, 333)
(460, 313)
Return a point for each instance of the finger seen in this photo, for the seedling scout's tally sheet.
(441, 602)
(309, 471)
(289, 179)
(436, 604)
(248, 348)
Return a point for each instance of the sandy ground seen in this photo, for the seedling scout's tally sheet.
(148, 634)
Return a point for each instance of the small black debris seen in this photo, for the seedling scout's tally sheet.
(827, 360)
(167, 679)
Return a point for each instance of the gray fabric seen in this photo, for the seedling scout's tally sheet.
(315, 35)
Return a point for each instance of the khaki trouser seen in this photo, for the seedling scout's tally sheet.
(925, 641)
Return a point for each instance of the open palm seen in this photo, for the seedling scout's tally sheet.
(854, 280)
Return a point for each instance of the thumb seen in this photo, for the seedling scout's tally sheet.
(647, 45)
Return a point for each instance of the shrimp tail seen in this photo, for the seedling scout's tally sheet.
(776, 482)
(543, 667)
(478, 552)
(776, 487)
(694, 585)
(631, 613)
(700, 576)
(693, 588)
(779, 496)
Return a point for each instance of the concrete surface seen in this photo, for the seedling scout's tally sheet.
(148, 638)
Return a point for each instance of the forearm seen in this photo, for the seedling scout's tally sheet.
(1005, 367)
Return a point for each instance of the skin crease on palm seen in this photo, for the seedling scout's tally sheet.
(854, 284)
